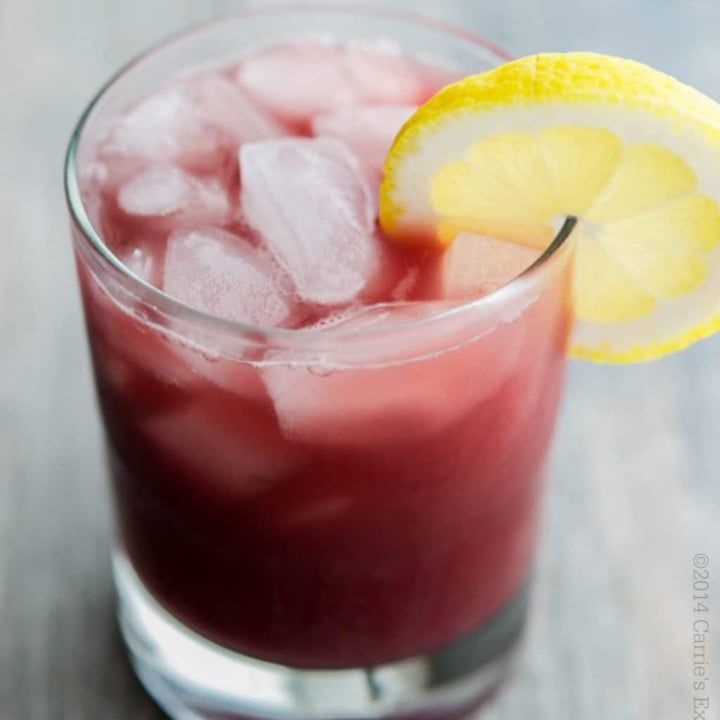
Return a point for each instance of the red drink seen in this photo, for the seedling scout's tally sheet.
(330, 461)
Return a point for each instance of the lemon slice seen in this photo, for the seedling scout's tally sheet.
(631, 152)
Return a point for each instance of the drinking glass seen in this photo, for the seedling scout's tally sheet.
(325, 523)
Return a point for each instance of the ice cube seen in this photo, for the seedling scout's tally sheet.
(389, 387)
(132, 359)
(156, 191)
(309, 202)
(164, 126)
(222, 274)
(296, 82)
(476, 264)
(231, 375)
(367, 131)
(221, 103)
(167, 190)
(225, 448)
(189, 123)
(384, 76)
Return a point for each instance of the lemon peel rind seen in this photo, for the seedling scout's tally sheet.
(602, 353)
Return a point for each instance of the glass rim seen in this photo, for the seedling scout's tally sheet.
(174, 307)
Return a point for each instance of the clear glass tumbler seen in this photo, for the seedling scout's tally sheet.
(369, 557)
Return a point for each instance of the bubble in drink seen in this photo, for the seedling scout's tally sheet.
(221, 274)
(314, 211)
(382, 315)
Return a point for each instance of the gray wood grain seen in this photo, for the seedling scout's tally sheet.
(635, 469)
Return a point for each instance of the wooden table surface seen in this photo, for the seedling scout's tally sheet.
(635, 465)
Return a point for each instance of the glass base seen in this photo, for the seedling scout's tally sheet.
(192, 678)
